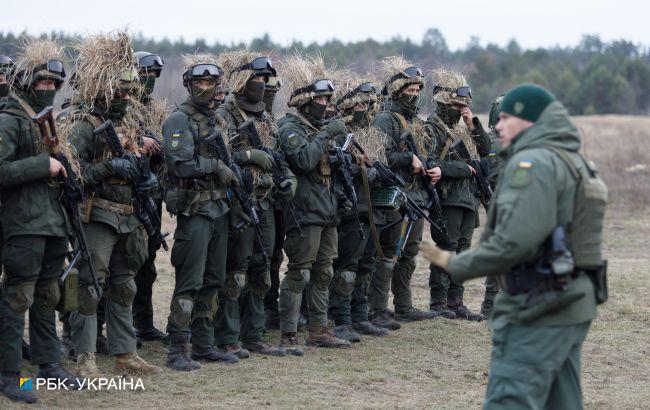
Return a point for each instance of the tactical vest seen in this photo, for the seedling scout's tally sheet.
(586, 229)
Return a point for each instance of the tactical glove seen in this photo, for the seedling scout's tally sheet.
(287, 189)
(149, 187)
(346, 206)
(225, 175)
(238, 218)
(123, 167)
(335, 128)
(261, 159)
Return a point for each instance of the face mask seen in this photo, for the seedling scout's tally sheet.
(40, 99)
(254, 91)
(361, 117)
(269, 96)
(448, 114)
(148, 82)
(315, 110)
(118, 108)
(4, 90)
(408, 104)
(201, 96)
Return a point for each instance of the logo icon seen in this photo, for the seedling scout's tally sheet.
(26, 383)
(519, 107)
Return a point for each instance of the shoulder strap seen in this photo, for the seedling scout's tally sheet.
(305, 121)
(241, 112)
(445, 149)
(401, 119)
(564, 156)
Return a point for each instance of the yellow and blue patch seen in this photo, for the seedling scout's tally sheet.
(176, 139)
(26, 384)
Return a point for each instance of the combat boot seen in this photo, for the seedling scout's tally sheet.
(383, 318)
(367, 328)
(10, 387)
(133, 364)
(346, 332)
(414, 315)
(87, 367)
(152, 335)
(208, 353)
(442, 310)
(264, 348)
(235, 349)
(462, 312)
(319, 336)
(486, 307)
(55, 371)
(290, 343)
(177, 358)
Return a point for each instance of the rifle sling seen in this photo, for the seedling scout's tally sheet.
(371, 218)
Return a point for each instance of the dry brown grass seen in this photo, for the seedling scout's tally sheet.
(435, 364)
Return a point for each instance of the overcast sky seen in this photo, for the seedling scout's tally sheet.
(531, 23)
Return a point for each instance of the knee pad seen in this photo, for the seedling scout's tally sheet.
(385, 270)
(260, 284)
(181, 311)
(344, 282)
(296, 280)
(20, 297)
(88, 299)
(122, 293)
(206, 303)
(235, 283)
(47, 295)
(322, 278)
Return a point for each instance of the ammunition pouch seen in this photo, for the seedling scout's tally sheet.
(184, 199)
(598, 277)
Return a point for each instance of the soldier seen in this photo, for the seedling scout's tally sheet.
(35, 228)
(494, 166)
(197, 195)
(402, 92)
(348, 306)
(6, 64)
(149, 69)
(457, 189)
(547, 301)
(248, 278)
(115, 235)
(305, 140)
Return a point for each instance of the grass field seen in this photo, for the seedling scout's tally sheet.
(440, 363)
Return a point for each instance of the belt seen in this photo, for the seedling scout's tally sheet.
(212, 195)
(522, 280)
(116, 207)
(117, 181)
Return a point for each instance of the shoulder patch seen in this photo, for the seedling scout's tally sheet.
(176, 139)
(521, 177)
(293, 140)
(525, 164)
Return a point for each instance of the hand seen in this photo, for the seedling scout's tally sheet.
(238, 218)
(467, 115)
(261, 159)
(56, 168)
(471, 169)
(123, 167)
(226, 176)
(434, 174)
(335, 128)
(416, 164)
(435, 255)
(150, 145)
(287, 189)
(148, 187)
(346, 206)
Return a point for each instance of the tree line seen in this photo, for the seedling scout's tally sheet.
(592, 77)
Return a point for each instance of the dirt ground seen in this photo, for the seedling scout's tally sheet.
(435, 364)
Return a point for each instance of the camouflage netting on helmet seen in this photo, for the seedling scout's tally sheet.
(36, 52)
(346, 100)
(374, 142)
(301, 71)
(445, 77)
(391, 66)
(105, 61)
(231, 61)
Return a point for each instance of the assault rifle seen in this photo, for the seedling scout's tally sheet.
(144, 205)
(484, 190)
(73, 196)
(279, 169)
(243, 191)
(341, 160)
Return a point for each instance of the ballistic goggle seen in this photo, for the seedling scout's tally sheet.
(53, 66)
(151, 62)
(318, 86)
(5, 64)
(204, 70)
(366, 88)
(260, 64)
(411, 72)
(464, 91)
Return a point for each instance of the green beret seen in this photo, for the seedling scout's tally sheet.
(526, 101)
